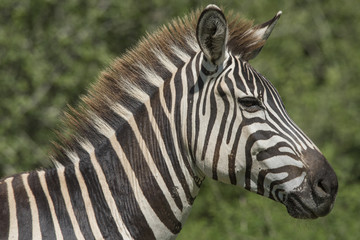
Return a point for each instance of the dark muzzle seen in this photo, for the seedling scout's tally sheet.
(316, 196)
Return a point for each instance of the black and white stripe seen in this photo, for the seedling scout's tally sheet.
(160, 120)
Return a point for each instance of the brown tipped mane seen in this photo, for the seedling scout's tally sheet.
(125, 72)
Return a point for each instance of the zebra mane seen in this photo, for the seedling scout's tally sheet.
(133, 71)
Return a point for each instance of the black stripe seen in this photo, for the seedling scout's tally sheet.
(220, 137)
(167, 95)
(4, 211)
(230, 86)
(120, 188)
(200, 85)
(46, 223)
(53, 184)
(239, 83)
(274, 151)
(260, 181)
(77, 202)
(23, 211)
(191, 83)
(102, 212)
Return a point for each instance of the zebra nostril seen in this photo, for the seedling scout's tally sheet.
(322, 188)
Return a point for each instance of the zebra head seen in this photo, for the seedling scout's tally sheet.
(243, 134)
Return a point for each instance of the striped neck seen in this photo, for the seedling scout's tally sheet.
(146, 154)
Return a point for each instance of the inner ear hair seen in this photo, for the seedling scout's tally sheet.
(212, 34)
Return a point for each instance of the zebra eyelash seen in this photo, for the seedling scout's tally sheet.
(251, 104)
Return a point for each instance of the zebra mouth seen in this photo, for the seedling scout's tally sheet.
(304, 208)
(298, 209)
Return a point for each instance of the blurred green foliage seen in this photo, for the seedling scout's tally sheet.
(50, 51)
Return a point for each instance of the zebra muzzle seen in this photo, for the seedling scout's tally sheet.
(316, 197)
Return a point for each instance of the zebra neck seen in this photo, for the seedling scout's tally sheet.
(142, 164)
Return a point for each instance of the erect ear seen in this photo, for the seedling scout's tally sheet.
(260, 34)
(212, 34)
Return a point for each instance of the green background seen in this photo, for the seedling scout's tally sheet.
(50, 51)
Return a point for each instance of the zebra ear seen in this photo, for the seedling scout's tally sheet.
(212, 34)
(261, 33)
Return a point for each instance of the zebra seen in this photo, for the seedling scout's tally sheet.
(182, 105)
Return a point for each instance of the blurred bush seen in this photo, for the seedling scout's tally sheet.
(50, 51)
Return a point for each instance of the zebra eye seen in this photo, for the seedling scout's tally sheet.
(250, 104)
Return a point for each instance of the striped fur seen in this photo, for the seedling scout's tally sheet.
(162, 117)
